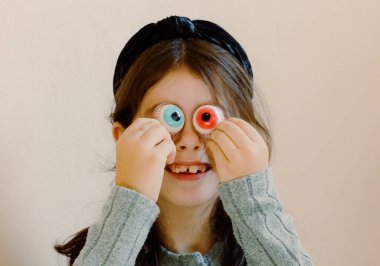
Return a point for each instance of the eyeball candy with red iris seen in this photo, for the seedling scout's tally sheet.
(206, 118)
(171, 116)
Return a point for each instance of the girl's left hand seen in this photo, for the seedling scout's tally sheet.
(238, 149)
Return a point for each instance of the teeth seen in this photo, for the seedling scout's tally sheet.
(184, 168)
(193, 169)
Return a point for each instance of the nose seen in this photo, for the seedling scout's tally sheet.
(188, 138)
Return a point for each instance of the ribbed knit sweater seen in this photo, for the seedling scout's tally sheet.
(265, 232)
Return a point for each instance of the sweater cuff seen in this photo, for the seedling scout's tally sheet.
(123, 225)
(238, 195)
(125, 203)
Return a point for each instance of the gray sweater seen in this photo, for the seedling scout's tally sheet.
(265, 232)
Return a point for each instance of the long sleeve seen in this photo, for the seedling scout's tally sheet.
(266, 234)
(120, 232)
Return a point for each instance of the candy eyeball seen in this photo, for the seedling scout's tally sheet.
(206, 118)
(171, 116)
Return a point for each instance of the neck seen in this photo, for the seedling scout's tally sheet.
(186, 230)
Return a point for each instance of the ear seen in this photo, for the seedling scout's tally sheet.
(117, 130)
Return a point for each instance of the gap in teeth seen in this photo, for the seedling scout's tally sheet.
(193, 169)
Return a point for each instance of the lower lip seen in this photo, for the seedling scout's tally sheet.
(187, 177)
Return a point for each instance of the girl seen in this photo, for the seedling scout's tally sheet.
(193, 185)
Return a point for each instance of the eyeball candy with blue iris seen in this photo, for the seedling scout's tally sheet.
(171, 116)
(206, 118)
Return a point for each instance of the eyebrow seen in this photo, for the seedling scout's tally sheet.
(150, 110)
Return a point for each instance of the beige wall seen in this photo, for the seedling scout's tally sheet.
(316, 61)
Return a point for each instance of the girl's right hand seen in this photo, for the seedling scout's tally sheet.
(142, 151)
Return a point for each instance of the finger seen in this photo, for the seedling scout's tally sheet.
(167, 149)
(224, 143)
(141, 123)
(154, 135)
(138, 130)
(217, 153)
(234, 133)
(249, 130)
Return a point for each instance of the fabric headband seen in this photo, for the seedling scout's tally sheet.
(175, 27)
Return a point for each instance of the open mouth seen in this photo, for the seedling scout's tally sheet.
(188, 169)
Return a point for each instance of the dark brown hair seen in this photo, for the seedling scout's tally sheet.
(232, 89)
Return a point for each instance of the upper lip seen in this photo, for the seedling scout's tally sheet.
(190, 163)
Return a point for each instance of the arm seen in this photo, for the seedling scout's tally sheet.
(120, 232)
(267, 234)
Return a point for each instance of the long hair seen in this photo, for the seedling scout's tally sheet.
(232, 89)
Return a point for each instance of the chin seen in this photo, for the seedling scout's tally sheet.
(188, 193)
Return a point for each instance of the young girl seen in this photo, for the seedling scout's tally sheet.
(193, 185)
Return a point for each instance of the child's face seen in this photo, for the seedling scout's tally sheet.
(183, 89)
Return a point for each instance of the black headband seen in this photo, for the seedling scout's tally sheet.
(172, 28)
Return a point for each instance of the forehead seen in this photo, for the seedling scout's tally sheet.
(180, 87)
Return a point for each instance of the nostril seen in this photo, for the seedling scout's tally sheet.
(183, 147)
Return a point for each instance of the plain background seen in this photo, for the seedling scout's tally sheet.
(317, 62)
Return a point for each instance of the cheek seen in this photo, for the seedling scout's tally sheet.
(210, 159)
